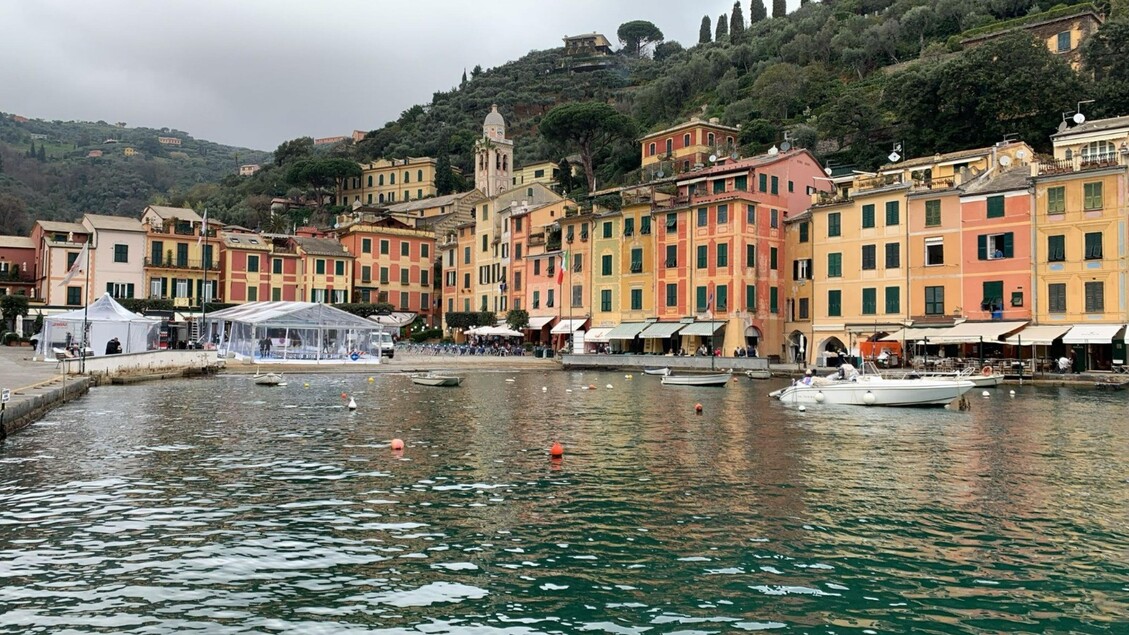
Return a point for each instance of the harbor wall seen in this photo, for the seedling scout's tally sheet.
(146, 363)
(673, 362)
(29, 404)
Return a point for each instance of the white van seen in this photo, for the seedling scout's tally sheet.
(387, 346)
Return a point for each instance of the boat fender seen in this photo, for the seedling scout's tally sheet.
(986, 371)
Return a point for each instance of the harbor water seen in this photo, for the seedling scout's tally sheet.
(218, 506)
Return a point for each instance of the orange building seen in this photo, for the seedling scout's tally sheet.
(256, 267)
(688, 145)
(393, 262)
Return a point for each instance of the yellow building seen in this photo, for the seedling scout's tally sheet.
(388, 181)
(1080, 217)
(541, 172)
(326, 274)
(177, 259)
(798, 305)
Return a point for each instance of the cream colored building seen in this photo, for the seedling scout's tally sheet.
(118, 257)
(388, 181)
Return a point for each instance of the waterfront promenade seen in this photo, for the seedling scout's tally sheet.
(35, 387)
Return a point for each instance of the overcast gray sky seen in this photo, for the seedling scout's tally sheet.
(255, 73)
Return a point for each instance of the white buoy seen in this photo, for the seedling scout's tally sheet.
(868, 398)
(510, 380)
(985, 394)
(568, 389)
(802, 408)
(1011, 392)
(352, 404)
(609, 386)
(819, 397)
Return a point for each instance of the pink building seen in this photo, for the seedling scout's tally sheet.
(996, 246)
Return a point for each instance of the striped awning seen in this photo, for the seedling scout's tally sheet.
(702, 329)
(627, 331)
(661, 330)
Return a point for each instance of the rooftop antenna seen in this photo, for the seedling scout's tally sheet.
(1078, 116)
(786, 144)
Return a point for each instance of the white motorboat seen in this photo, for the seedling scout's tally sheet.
(849, 387)
(759, 373)
(712, 379)
(656, 371)
(267, 379)
(435, 379)
(987, 377)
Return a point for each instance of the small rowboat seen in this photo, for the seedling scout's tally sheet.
(656, 371)
(716, 379)
(433, 379)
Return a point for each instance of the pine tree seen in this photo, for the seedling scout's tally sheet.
(757, 12)
(705, 33)
(463, 83)
(737, 23)
(722, 32)
(779, 8)
(42, 156)
(31, 151)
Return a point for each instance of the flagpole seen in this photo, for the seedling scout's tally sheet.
(571, 330)
(204, 287)
(85, 308)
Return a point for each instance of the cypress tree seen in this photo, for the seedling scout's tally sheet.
(705, 33)
(31, 151)
(736, 23)
(757, 12)
(463, 83)
(779, 8)
(722, 32)
(42, 156)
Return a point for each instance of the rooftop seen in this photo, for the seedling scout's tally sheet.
(322, 247)
(936, 158)
(180, 213)
(1016, 177)
(694, 121)
(16, 242)
(426, 203)
(116, 223)
(58, 226)
(1097, 125)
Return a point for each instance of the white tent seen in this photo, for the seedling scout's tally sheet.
(301, 332)
(105, 320)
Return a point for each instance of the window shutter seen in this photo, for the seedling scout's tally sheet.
(982, 247)
(1009, 245)
(129, 290)
(110, 288)
(795, 269)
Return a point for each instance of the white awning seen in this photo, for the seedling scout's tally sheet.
(661, 330)
(1092, 334)
(1044, 335)
(975, 332)
(539, 322)
(912, 334)
(702, 329)
(567, 326)
(627, 330)
(598, 335)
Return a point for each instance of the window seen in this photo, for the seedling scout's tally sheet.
(651, 149)
(577, 263)
(339, 268)
(722, 255)
(1017, 298)
(606, 265)
(804, 232)
(801, 269)
(583, 232)
(537, 299)
(741, 183)
(392, 178)
(869, 257)
(893, 255)
(380, 179)
(1062, 42)
(773, 218)
(253, 294)
(606, 300)
(384, 246)
(485, 242)
(1093, 245)
(994, 246)
(1092, 195)
(570, 233)
(775, 189)
(1056, 248)
(993, 296)
(703, 256)
(703, 217)
(833, 224)
(121, 253)
(868, 216)
(384, 277)
(405, 248)
(1095, 297)
(834, 303)
(869, 301)
(762, 183)
(517, 251)
(722, 292)
(252, 264)
(669, 146)
(319, 265)
(934, 252)
(773, 300)
(751, 297)
(636, 261)
(577, 295)
(995, 207)
(1056, 298)
(672, 255)
(934, 300)
(893, 299)
(750, 255)
(466, 253)
(424, 278)
(628, 226)
(645, 225)
(366, 243)
(834, 265)
(893, 214)
(773, 252)
(119, 289)
(700, 299)
(750, 214)
(1056, 200)
(933, 213)
(722, 214)
(804, 309)
(424, 251)
(366, 272)
(607, 229)
(517, 224)
(636, 299)
(276, 266)
(719, 186)
(686, 140)
(549, 298)
(182, 255)
(517, 281)
(672, 294)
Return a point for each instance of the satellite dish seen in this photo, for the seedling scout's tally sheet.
(659, 174)
(734, 156)
(1022, 154)
(1062, 126)
(773, 151)
(713, 158)
(785, 146)
(1005, 160)
(1079, 118)
(827, 171)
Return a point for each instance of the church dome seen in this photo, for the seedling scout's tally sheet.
(494, 118)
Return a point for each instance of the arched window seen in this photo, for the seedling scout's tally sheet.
(669, 146)
(407, 176)
(392, 178)
(505, 163)
(709, 139)
(1098, 151)
(686, 140)
(419, 175)
(381, 198)
(651, 149)
(380, 180)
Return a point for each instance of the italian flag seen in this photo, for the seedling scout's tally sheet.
(564, 265)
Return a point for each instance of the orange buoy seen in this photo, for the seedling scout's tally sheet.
(986, 371)
(557, 450)
(397, 444)
(344, 396)
(698, 408)
(591, 386)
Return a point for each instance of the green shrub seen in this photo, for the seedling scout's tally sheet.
(423, 336)
(9, 338)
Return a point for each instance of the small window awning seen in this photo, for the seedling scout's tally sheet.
(975, 332)
(661, 330)
(1044, 335)
(598, 335)
(538, 322)
(567, 326)
(626, 331)
(702, 329)
(1092, 333)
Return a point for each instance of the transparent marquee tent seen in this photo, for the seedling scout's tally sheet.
(303, 332)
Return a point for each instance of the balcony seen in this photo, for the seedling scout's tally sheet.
(179, 230)
(829, 198)
(925, 185)
(16, 275)
(737, 195)
(1049, 166)
(674, 201)
(536, 240)
(878, 181)
(178, 263)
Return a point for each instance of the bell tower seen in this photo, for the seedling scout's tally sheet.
(493, 156)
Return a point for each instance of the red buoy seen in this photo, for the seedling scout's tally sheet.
(557, 451)
(698, 408)
(397, 445)
(344, 396)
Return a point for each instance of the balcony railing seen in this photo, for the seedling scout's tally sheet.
(15, 275)
(920, 185)
(673, 201)
(179, 230)
(178, 263)
(1078, 164)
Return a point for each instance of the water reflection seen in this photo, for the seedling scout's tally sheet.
(219, 506)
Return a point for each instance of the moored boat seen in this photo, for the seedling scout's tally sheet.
(849, 387)
(267, 379)
(701, 379)
(759, 373)
(435, 379)
(656, 371)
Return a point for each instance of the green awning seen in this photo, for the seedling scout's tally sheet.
(702, 329)
(661, 330)
(626, 331)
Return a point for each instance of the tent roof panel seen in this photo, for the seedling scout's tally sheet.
(566, 326)
(974, 332)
